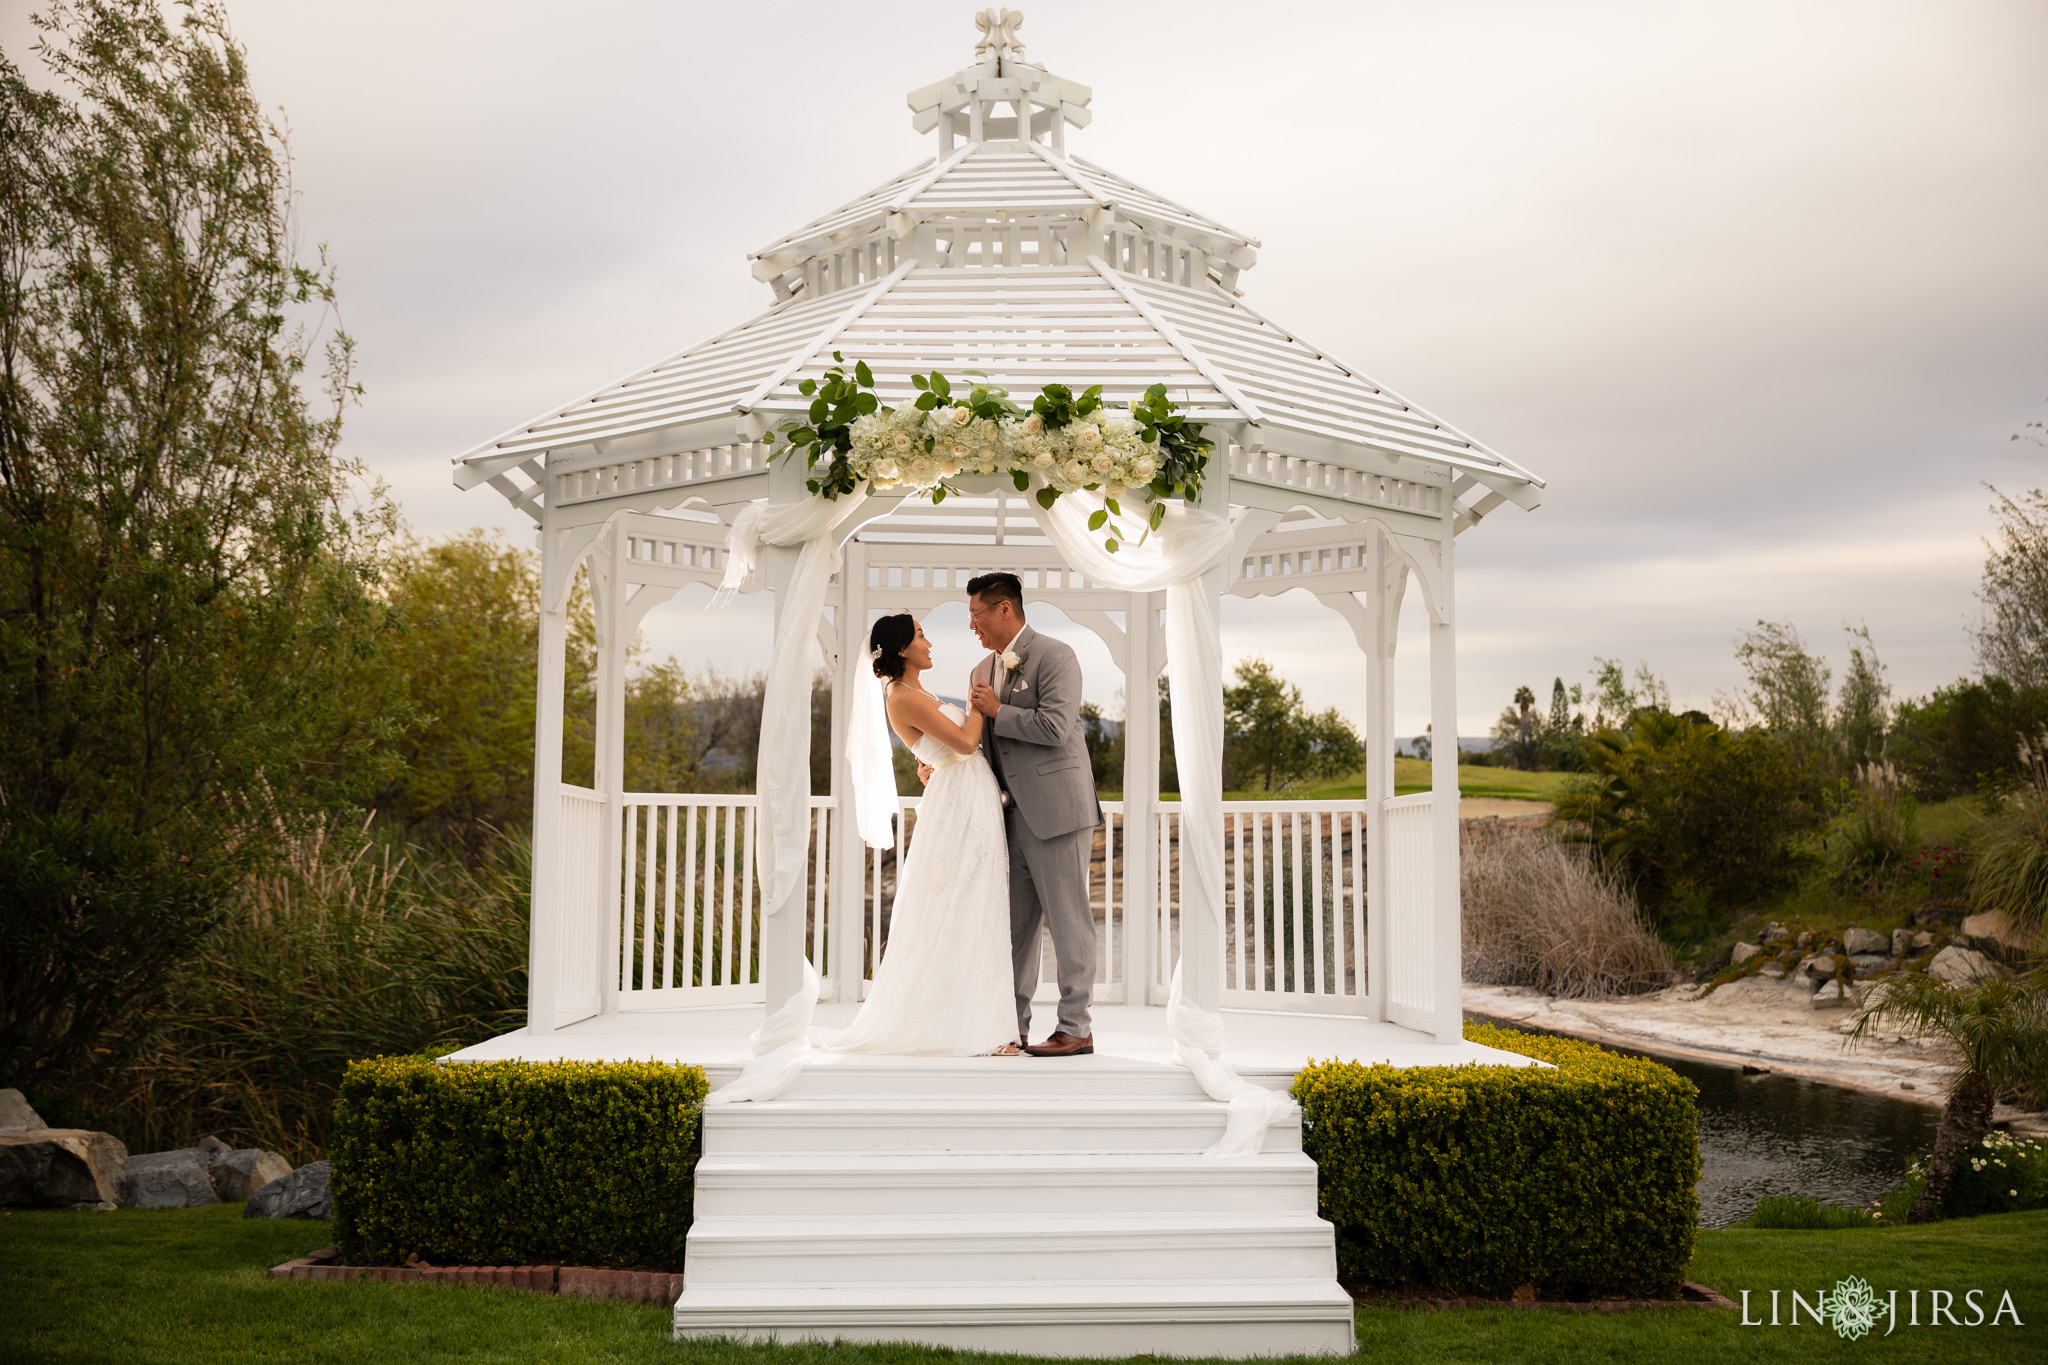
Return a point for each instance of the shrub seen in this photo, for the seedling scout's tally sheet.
(1806, 1212)
(1542, 914)
(516, 1163)
(1966, 736)
(2006, 1174)
(2010, 870)
(1579, 1177)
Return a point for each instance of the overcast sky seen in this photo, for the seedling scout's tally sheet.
(1761, 289)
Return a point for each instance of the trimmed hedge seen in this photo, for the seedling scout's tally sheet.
(516, 1163)
(1580, 1180)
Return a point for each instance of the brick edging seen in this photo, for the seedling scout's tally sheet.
(583, 1282)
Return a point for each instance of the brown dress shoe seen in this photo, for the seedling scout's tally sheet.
(1063, 1045)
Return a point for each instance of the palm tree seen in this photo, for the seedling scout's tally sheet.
(1999, 1030)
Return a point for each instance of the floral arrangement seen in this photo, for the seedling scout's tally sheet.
(1064, 442)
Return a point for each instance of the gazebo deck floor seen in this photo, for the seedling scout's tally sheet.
(1267, 1047)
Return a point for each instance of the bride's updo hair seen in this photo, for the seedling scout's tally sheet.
(887, 641)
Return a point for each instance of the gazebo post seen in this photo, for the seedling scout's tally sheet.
(782, 927)
(1201, 921)
(846, 884)
(1383, 613)
(1141, 796)
(544, 927)
(609, 593)
(1446, 909)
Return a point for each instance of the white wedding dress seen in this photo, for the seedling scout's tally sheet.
(944, 986)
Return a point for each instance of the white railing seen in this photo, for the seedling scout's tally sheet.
(580, 928)
(687, 911)
(690, 912)
(1411, 996)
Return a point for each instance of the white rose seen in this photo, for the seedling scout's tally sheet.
(1012, 660)
(987, 455)
(1088, 436)
(959, 450)
(885, 469)
(1042, 460)
(1074, 470)
(961, 417)
(902, 440)
(1102, 462)
(1142, 467)
(1113, 489)
(1034, 424)
(948, 468)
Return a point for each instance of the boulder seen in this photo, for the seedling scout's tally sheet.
(1855, 941)
(210, 1149)
(1743, 952)
(15, 1113)
(1866, 963)
(1772, 933)
(1818, 967)
(302, 1194)
(1902, 942)
(59, 1167)
(1833, 996)
(167, 1180)
(1994, 931)
(241, 1172)
(1775, 969)
(1922, 941)
(1960, 966)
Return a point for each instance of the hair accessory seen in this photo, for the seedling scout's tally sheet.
(875, 655)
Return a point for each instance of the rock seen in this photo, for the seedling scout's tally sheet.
(167, 1180)
(1743, 952)
(302, 1194)
(242, 1172)
(15, 1113)
(1833, 996)
(1902, 942)
(1994, 931)
(1960, 966)
(1775, 969)
(1856, 941)
(1922, 941)
(210, 1149)
(1817, 967)
(1865, 963)
(58, 1167)
(1772, 933)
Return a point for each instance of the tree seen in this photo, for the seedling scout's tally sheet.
(1999, 1032)
(1615, 698)
(468, 617)
(1788, 687)
(1863, 708)
(187, 624)
(1271, 737)
(1105, 747)
(1516, 736)
(2012, 639)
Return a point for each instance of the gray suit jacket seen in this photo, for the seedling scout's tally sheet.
(1036, 744)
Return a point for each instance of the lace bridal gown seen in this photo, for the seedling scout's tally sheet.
(944, 986)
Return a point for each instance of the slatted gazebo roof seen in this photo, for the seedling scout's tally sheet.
(1005, 255)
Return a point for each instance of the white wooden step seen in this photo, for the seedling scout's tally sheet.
(938, 1248)
(882, 1183)
(830, 1076)
(1041, 1317)
(918, 1125)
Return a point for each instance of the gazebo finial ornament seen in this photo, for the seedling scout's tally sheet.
(999, 34)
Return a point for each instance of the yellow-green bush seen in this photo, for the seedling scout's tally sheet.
(516, 1163)
(1578, 1178)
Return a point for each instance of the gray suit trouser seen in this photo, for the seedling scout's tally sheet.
(1049, 889)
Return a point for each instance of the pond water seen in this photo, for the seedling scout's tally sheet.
(1774, 1134)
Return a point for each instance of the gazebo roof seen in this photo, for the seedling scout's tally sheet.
(1006, 256)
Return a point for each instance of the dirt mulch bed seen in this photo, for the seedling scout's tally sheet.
(585, 1282)
(1432, 1301)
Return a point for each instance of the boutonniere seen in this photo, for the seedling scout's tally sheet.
(1013, 660)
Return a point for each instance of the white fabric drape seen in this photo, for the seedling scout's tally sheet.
(783, 770)
(868, 759)
(782, 1045)
(1188, 543)
(1197, 1036)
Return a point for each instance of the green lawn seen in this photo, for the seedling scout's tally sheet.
(1411, 775)
(188, 1286)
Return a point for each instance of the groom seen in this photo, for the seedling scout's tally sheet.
(1030, 689)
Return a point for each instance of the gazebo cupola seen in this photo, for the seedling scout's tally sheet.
(1001, 194)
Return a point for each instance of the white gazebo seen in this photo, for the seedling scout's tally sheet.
(1315, 928)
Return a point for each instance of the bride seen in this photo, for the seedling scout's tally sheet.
(944, 986)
